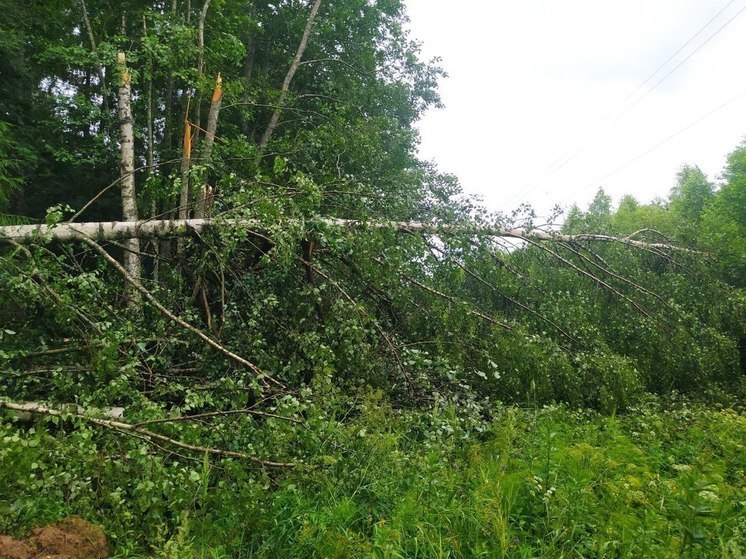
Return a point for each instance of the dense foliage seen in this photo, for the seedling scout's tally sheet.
(402, 373)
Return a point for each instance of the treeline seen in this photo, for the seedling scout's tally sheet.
(335, 109)
(697, 212)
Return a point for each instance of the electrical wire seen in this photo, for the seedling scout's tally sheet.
(554, 167)
(659, 144)
(739, 12)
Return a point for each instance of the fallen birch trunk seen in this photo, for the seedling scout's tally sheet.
(118, 230)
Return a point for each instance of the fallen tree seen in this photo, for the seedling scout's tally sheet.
(160, 228)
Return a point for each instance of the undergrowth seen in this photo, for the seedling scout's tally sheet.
(658, 481)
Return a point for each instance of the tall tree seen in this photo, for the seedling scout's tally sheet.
(688, 200)
(724, 218)
(127, 175)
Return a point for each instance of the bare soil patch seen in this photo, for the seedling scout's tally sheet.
(73, 538)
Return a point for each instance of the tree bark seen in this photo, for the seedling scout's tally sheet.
(99, 66)
(127, 172)
(117, 230)
(275, 119)
(204, 198)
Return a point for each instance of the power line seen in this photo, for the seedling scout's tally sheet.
(739, 12)
(670, 58)
(569, 155)
(659, 144)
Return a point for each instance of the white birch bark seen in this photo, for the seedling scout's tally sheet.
(127, 173)
(118, 230)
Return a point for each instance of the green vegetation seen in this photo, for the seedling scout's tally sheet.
(280, 385)
(660, 481)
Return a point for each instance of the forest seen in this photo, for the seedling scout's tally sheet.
(239, 317)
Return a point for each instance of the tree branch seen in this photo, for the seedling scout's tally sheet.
(261, 375)
(129, 429)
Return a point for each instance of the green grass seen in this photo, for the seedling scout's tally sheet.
(549, 482)
(545, 483)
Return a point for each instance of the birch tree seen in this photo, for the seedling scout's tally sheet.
(127, 175)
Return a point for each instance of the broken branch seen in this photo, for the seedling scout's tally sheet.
(129, 429)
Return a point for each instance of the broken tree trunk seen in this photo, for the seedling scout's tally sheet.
(186, 159)
(127, 173)
(204, 197)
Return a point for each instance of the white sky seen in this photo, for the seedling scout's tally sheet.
(531, 81)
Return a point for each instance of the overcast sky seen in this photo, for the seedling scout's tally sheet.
(535, 105)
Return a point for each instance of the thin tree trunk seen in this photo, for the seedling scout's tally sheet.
(201, 37)
(151, 154)
(200, 67)
(248, 68)
(275, 119)
(186, 158)
(151, 159)
(185, 194)
(185, 198)
(99, 66)
(127, 172)
(204, 198)
(151, 146)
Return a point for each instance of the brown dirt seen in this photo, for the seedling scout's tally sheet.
(13, 549)
(73, 538)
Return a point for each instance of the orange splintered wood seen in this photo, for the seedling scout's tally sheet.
(217, 93)
(187, 140)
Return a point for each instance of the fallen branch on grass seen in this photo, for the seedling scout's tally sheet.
(129, 429)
